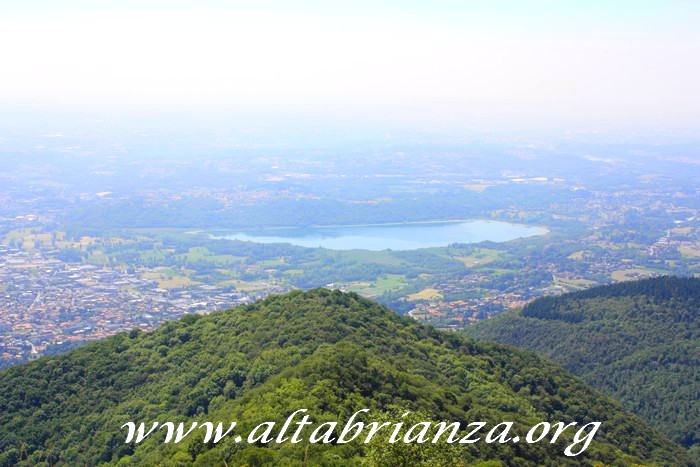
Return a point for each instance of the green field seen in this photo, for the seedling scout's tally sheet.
(383, 284)
(480, 257)
(376, 257)
(202, 254)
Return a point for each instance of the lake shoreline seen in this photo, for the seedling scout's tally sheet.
(386, 236)
(381, 224)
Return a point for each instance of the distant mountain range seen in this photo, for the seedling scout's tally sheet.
(329, 352)
(638, 342)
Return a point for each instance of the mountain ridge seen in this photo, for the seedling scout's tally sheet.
(327, 351)
(636, 341)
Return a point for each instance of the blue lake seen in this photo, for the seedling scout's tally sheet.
(409, 236)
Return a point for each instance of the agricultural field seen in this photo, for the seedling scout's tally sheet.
(635, 273)
(168, 278)
(690, 252)
(383, 284)
(371, 257)
(574, 284)
(578, 255)
(30, 239)
(480, 257)
(426, 294)
(202, 254)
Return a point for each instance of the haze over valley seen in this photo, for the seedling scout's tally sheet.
(240, 209)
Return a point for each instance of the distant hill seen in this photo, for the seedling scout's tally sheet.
(329, 352)
(636, 341)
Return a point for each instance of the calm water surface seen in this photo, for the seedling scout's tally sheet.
(391, 236)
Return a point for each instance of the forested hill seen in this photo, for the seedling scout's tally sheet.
(636, 341)
(326, 351)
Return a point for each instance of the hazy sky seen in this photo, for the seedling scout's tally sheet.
(623, 62)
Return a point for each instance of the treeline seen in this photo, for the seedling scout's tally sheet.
(661, 289)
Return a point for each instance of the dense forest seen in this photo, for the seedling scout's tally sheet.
(329, 352)
(637, 341)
